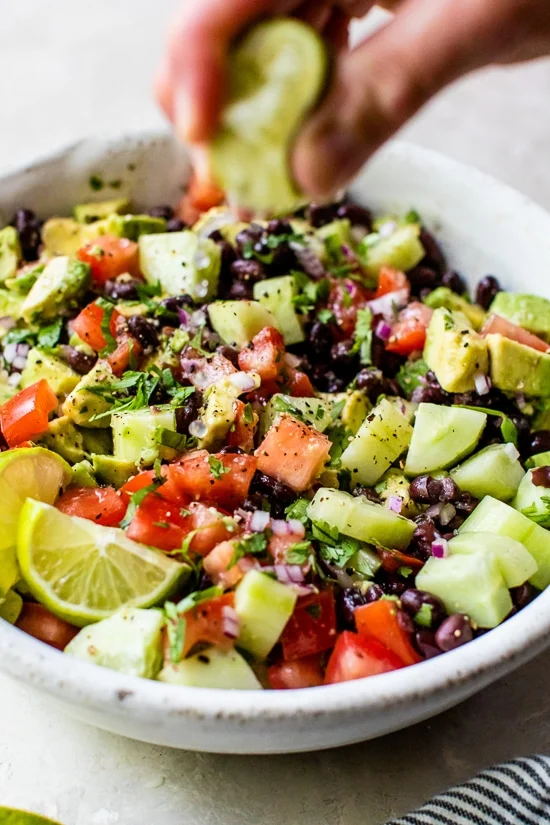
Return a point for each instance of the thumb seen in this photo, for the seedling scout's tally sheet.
(382, 83)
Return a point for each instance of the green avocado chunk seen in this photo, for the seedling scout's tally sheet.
(10, 253)
(446, 298)
(528, 311)
(57, 288)
(81, 405)
(83, 474)
(517, 368)
(90, 212)
(111, 470)
(42, 364)
(454, 351)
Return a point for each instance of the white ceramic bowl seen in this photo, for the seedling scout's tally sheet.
(485, 227)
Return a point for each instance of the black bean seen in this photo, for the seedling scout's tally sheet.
(80, 362)
(279, 227)
(449, 490)
(522, 595)
(249, 272)
(229, 353)
(394, 585)
(540, 476)
(340, 354)
(162, 211)
(240, 290)
(423, 537)
(391, 387)
(371, 381)
(373, 593)
(335, 383)
(320, 340)
(486, 291)
(346, 603)
(426, 644)
(175, 225)
(188, 412)
(423, 277)
(122, 290)
(454, 281)
(321, 214)
(388, 362)
(271, 489)
(357, 215)
(143, 331)
(232, 451)
(413, 600)
(523, 428)
(454, 632)
(367, 492)
(404, 621)
(246, 238)
(539, 442)
(434, 257)
(465, 503)
(431, 392)
(425, 489)
(28, 227)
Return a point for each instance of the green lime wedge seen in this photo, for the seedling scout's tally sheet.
(277, 72)
(24, 473)
(84, 572)
(8, 816)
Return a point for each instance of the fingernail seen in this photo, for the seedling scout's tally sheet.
(324, 161)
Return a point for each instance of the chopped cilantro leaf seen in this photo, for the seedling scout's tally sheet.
(424, 616)
(49, 335)
(137, 498)
(217, 467)
(325, 316)
(252, 545)
(363, 336)
(298, 510)
(108, 308)
(298, 553)
(410, 375)
(248, 414)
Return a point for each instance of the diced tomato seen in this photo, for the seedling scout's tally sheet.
(409, 333)
(300, 673)
(265, 355)
(166, 490)
(312, 626)
(345, 298)
(217, 565)
(100, 504)
(26, 414)
(392, 560)
(109, 256)
(299, 385)
(355, 657)
(37, 621)
(279, 546)
(293, 453)
(204, 624)
(379, 620)
(159, 523)
(87, 326)
(390, 280)
(242, 434)
(211, 526)
(497, 325)
(222, 478)
(120, 359)
(201, 196)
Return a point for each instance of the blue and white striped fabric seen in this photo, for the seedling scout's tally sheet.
(514, 793)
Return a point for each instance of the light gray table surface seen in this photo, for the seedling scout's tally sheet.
(74, 68)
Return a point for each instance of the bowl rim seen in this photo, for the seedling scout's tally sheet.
(482, 660)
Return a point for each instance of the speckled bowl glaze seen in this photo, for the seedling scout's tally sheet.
(485, 227)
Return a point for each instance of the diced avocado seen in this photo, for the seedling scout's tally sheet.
(356, 408)
(276, 295)
(381, 439)
(400, 250)
(24, 281)
(82, 405)
(528, 311)
(90, 212)
(98, 440)
(470, 584)
(338, 231)
(182, 263)
(237, 322)
(516, 564)
(57, 288)
(395, 483)
(218, 412)
(6, 391)
(130, 642)
(83, 474)
(136, 435)
(59, 375)
(64, 439)
(313, 411)
(264, 606)
(212, 668)
(442, 436)
(11, 606)
(361, 519)
(494, 516)
(538, 460)
(517, 368)
(111, 470)
(494, 471)
(10, 304)
(62, 236)
(447, 299)
(533, 501)
(10, 253)
(134, 226)
(454, 351)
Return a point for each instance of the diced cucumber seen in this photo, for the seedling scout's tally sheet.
(442, 436)
(533, 501)
(406, 408)
(181, 262)
(212, 668)
(10, 253)
(356, 517)
(380, 440)
(313, 411)
(394, 484)
(494, 471)
(400, 250)
(339, 230)
(276, 294)
(516, 564)
(264, 606)
(538, 460)
(470, 584)
(365, 563)
(538, 544)
(237, 322)
(11, 606)
(130, 642)
(136, 434)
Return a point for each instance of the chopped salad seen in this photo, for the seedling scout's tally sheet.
(269, 454)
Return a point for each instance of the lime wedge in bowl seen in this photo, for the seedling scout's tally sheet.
(9, 816)
(25, 473)
(83, 572)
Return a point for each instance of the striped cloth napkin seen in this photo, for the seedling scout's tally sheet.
(514, 793)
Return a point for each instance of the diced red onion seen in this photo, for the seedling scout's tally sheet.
(289, 573)
(7, 322)
(242, 381)
(440, 548)
(197, 428)
(10, 352)
(198, 318)
(183, 316)
(292, 360)
(358, 233)
(259, 521)
(296, 527)
(434, 510)
(395, 503)
(483, 383)
(279, 527)
(387, 228)
(511, 451)
(386, 304)
(201, 379)
(14, 379)
(383, 330)
(230, 622)
(19, 362)
(447, 514)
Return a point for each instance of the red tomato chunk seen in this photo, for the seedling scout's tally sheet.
(311, 628)
(355, 657)
(26, 414)
(100, 504)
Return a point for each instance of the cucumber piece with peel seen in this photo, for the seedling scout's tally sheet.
(442, 436)
(237, 322)
(263, 606)
(401, 250)
(494, 471)
(181, 262)
(516, 564)
(212, 668)
(361, 519)
(276, 295)
(533, 501)
(381, 439)
(538, 460)
(276, 73)
(136, 435)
